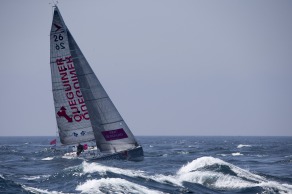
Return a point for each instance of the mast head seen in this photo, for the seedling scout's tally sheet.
(54, 4)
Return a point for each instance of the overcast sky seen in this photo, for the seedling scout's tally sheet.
(170, 67)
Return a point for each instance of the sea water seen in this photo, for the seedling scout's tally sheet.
(171, 165)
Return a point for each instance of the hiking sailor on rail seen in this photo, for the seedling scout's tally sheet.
(80, 149)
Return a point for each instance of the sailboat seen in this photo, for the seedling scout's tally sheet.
(84, 111)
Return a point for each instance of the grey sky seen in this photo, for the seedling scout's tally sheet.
(170, 67)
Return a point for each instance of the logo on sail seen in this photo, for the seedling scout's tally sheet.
(114, 134)
(69, 79)
(62, 113)
(58, 27)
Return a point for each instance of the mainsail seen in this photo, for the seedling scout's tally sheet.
(83, 109)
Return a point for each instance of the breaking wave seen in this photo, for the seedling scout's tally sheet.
(101, 169)
(218, 174)
(210, 172)
(40, 191)
(113, 185)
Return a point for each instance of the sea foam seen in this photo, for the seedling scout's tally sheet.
(208, 171)
(101, 169)
(36, 190)
(113, 185)
(216, 173)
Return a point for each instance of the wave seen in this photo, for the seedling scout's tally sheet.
(243, 145)
(210, 172)
(9, 186)
(183, 152)
(237, 154)
(70, 155)
(218, 174)
(35, 177)
(152, 181)
(222, 155)
(113, 185)
(48, 158)
(102, 170)
(43, 191)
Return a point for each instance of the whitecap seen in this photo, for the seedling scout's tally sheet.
(197, 172)
(222, 155)
(48, 158)
(70, 155)
(243, 145)
(236, 154)
(34, 177)
(31, 177)
(36, 190)
(183, 152)
(113, 185)
(101, 169)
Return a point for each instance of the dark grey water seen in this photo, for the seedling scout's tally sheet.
(171, 165)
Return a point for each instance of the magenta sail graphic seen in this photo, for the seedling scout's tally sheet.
(114, 134)
(62, 113)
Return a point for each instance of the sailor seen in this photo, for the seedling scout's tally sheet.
(79, 149)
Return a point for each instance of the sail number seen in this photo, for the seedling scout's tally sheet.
(61, 46)
(59, 38)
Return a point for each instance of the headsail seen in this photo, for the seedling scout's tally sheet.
(81, 103)
(71, 112)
